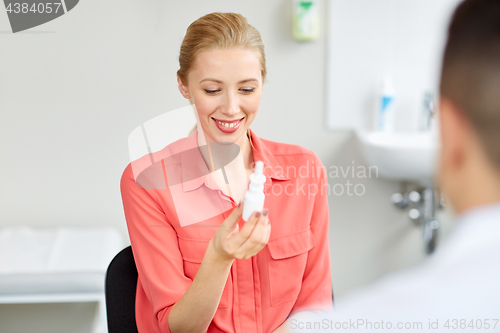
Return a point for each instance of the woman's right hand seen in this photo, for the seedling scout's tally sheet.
(231, 243)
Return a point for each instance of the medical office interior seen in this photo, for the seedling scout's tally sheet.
(73, 89)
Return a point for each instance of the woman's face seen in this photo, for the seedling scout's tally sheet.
(226, 87)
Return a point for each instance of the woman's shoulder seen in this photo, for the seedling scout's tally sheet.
(289, 150)
(281, 148)
(169, 154)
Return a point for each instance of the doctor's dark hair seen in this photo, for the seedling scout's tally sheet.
(470, 75)
(217, 31)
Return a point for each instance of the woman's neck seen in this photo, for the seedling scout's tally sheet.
(245, 148)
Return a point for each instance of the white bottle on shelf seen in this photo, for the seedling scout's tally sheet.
(385, 106)
(254, 198)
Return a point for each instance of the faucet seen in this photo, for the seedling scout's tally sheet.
(430, 224)
(428, 111)
(424, 205)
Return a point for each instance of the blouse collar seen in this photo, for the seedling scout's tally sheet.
(195, 172)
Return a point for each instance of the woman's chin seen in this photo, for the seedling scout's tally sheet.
(231, 138)
(223, 137)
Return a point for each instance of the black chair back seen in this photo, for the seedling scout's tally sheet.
(120, 289)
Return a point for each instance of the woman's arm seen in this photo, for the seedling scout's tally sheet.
(196, 309)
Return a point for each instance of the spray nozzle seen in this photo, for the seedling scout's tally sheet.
(259, 168)
(257, 178)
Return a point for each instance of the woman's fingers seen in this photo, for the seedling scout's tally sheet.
(262, 243)
(239, 238)
(257, 239)
(268, 232)
(258, 245)
(231, 222)
(248, 240)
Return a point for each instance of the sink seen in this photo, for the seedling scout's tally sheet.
(402, 156)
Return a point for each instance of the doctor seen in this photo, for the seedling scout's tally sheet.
(458, 288)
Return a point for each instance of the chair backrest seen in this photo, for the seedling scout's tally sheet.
(120, 289)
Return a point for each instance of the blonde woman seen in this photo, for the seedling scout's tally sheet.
(222, 274)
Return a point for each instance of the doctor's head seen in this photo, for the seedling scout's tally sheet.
(470, 106)
(222, 71)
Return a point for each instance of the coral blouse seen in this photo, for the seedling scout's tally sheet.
(290, 274)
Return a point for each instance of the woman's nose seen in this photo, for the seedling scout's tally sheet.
(230, 105)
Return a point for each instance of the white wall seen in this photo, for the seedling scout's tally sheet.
(73, 89)
(369, 40)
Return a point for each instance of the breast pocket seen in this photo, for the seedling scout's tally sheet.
(193, 251)
(287, 261)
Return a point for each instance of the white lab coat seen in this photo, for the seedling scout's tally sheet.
(460, 281)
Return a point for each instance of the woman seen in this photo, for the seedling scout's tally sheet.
(222, 274)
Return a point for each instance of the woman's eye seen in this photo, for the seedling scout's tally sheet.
(248, 90)
(211, 91)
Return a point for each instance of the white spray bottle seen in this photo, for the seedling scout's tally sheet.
(254, 198)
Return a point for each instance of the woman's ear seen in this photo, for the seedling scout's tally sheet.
(182, 88)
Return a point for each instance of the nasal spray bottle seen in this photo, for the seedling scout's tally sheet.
(254, 198)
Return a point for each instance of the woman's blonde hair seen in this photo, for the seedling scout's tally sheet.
(216, 31)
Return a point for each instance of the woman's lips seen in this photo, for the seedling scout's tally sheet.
(225, 125)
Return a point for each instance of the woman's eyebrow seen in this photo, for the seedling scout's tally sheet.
(219, 81)
(210, 79)
(248, 80)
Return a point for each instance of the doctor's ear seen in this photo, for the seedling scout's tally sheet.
(455, 133)
(182, 88)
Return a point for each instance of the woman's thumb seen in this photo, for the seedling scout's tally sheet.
(235, 215)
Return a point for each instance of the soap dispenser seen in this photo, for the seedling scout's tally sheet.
(305, 20)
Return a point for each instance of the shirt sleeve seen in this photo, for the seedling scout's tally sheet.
(316, 291)
(155, 247)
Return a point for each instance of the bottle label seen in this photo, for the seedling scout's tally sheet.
(386, 102)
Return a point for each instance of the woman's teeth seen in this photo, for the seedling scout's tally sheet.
(227, 125)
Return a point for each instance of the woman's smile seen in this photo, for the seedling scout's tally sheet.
(228, 126)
